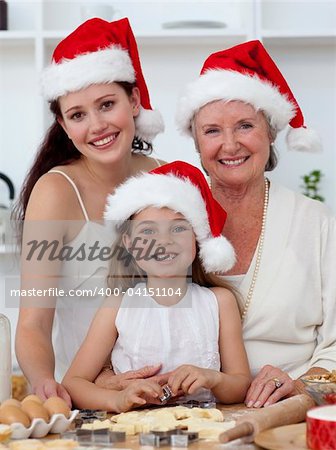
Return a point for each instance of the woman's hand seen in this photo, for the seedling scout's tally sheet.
(190, 378)
(50, 388)
(108, 380)
(137, 393)
(269, 386)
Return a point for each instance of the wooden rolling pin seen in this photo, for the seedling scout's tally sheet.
(286, 412)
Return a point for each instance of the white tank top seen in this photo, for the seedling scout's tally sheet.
(73, 315)
(185, 333)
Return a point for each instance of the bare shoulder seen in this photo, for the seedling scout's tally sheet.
(228, 308)
(225, 297)
(108, 310)
(158, 162)
(146, 163)
(53, 198)
(112, 301)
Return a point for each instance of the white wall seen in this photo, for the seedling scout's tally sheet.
(311, 73)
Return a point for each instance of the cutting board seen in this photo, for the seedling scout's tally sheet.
(289, 437)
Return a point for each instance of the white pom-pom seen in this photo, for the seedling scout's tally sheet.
(148, 124)
(217, 254)
(304, 140)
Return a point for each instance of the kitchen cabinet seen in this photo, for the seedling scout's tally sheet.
(174, 38)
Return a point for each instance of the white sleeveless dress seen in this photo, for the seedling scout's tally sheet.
(185, 333)
(73, 315)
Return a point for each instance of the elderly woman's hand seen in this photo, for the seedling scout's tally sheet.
(269, 386)
(109, 380)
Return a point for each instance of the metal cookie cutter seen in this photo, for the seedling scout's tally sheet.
(167, 394)
(98, 438)
(197, 404)
(173, 438)
(88, 416)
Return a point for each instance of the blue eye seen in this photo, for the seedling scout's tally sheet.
(179, 229)
(147, 231)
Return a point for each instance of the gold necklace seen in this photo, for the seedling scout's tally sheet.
(259, 253)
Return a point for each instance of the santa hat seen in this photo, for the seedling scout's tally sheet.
(184, 189)
(101, 52)
(246, 72)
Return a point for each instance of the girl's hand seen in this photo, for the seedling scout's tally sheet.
(269, 386)
(137, 393)
(50, 388)
(190, 378)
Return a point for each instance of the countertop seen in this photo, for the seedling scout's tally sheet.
(230, 412)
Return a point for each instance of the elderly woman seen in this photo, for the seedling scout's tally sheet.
(285, 243)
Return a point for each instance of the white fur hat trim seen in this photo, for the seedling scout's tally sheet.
(70, 75)
(230, 85)
(148, 124)
(304, 140)
(158, 190)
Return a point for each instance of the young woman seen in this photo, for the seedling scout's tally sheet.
(102, 132)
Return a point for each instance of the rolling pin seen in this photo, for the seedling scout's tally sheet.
(286, 412)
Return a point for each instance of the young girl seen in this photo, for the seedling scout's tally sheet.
(155, 313)
(101, 134)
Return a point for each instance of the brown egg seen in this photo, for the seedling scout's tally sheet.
(32, 397)
(35, 411)
(11, 414)
(56, 405)
(11, 401)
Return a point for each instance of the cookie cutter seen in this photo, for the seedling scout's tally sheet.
(99, 438)
(196, 404)
(88, 416)
(167, 394)
(173, 438)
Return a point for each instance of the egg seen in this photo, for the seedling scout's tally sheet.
(11, 414)
(35, 411)
(11, 401)
(56, 405)
(32, 397)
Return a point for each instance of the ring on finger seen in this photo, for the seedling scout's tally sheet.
(277, 383)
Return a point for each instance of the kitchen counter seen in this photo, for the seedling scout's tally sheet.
(230, 412)
(284, 438)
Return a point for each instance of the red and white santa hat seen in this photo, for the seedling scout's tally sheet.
(246, 72)
(184, 189)
(101, 52)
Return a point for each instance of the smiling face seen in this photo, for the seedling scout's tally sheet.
(100, 120)
(162, 242)
(233, 140)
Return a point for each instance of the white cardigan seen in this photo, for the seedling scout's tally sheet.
(291, 321)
